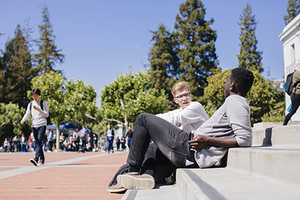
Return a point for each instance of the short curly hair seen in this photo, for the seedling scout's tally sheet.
(243, 79)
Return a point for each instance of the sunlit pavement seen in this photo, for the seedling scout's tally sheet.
(65, 175)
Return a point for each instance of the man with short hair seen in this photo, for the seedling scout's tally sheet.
(229, 127)
(39, 123)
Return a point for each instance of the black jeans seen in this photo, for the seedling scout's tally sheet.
(39, 134)
(171, 141)
(295, 101)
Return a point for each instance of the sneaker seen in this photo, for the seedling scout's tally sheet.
(41, 163)
(116, 188)
(33, 161)
(135, 181)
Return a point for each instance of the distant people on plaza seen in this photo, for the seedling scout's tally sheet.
(118, 142)
(123, 143)
(39, 123)
(76, 138)
(109, 135)
(50, 140)
(83, 137)
(129, 136)
(6, 145)
(71, 144)
(30, 143)
(61, 141)
(23, 143)
(295, 96)
(15, 142)
(95, 142)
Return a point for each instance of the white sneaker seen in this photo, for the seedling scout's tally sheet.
(135, 181)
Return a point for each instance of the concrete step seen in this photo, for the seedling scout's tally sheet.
(278, 163)
(161, 192)
(228, 183)
(288, 136)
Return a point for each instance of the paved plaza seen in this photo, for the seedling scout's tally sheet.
(65, 175)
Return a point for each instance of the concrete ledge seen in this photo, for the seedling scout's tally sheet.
(277, 136)
(226, 183)
(277, 163)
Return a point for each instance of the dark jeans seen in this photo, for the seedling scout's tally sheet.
(295, 101)
(39, 134)
(110, 144)
(171, 142)
(129, 142)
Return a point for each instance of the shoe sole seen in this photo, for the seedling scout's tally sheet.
(117, 190)
(33, 162)
(135, 182)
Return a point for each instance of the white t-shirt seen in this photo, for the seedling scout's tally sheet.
(232, 119)
(188, 119)
(38, 117)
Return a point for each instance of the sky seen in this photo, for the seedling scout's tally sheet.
(101, 38)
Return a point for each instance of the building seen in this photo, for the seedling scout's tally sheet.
(290, 37)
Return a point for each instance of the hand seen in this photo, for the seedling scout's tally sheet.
(36, 108)
(199, 142)
(22, 121)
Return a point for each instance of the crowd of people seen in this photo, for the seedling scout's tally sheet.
(78, 141)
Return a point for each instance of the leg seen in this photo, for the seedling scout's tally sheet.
(39, 139)
(169, 139)
(295, 100)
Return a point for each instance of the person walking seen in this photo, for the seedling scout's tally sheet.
(50, 140)
(83, 137)
(109, 135)
(295, 96)
(129, 136)
(23, 143)
(39, 123)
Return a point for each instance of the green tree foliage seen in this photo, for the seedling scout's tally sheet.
(48, 53)
(67, 100)
(128, 96)
(197, 51)
(16, 70)
(10, 115)
(249, 57)
(264, 100)
(164, 60)
(293, 9)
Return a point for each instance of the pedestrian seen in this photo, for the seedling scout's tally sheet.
(23, 143)
(15, 142)
(39, 123)
(295, 96)
(118, 143)
(95, 142)
(76, 139)
(129, 136)
(61, 141)
(6, 145)
(83, 138)
(123, 143)
(50, 140)
(109, 135)
(230, 126)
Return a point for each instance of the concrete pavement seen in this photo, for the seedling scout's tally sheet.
(65, 175)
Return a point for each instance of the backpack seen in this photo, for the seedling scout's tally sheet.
(47, 118)
(288, 85)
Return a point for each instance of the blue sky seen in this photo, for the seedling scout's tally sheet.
(101, 38)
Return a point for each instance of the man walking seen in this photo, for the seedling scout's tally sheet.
(39, 123)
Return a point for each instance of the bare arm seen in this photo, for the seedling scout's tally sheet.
(201, 141)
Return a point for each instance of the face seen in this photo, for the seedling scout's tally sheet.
(183, 98)
(108, 126)
(36, 97)
(227, 86)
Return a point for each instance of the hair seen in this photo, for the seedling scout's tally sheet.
(36, 91)
(243, 79)
(180, 86)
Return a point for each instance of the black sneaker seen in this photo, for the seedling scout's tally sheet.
(33, 161)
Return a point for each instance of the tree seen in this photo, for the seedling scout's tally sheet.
(197, 51)
(128, 96)
(263, 98)
(16, 70)
(293, 9)
(48, 53)
(164, 61)
(10, 116)
(67, 100)
(249, 57)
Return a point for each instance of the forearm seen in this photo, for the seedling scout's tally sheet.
(222, 142)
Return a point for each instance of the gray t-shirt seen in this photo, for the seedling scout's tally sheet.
(38, 117)
(232, 119)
